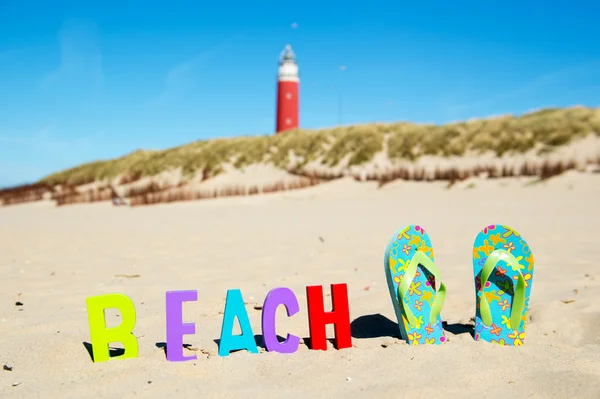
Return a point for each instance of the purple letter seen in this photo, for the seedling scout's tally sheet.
(175, 326)
(275, 297)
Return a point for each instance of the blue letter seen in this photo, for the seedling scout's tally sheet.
(234, 306)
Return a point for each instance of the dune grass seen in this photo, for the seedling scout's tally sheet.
(545, 129)
(354, 145)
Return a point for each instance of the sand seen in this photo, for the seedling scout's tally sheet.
(53, 258)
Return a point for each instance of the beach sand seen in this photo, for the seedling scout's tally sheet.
(51, 259)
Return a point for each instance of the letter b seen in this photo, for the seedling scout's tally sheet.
(101, 336)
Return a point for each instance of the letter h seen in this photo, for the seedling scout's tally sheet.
(318, 318)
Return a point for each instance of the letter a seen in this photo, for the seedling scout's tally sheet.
(234, 307)
(339, 316)
(101, 336)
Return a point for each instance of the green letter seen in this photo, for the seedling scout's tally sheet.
(101, 336)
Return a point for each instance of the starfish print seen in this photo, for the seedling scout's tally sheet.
(509, 247)
(520, 266)
(509, 232)
(486, 248)
(491, 296)
(414, 288)
(495, 238)
(392, 264)
(427, 296)
(404, 234)
(424, 248)
(529, 260)
(414, 240)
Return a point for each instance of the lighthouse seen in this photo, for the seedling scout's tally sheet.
(287, 91)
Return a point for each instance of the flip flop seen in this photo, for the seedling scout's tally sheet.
(503, 270)
(412, 277)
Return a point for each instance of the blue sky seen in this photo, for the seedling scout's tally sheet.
(87, 80)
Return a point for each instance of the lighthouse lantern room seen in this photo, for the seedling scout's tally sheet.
(287, 91)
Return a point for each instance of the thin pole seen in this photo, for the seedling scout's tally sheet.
(340, 102)
(339, 106)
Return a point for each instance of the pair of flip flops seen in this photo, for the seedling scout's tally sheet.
(502, 271)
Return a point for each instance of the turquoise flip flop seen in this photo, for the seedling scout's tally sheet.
(503, 271)
(412, 277)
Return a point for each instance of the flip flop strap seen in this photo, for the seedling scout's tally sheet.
(419, 258)
(518, 304)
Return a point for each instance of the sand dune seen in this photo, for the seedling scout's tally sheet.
(53, 258)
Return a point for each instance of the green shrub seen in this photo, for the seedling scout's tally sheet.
(360, 142)
(547, 128)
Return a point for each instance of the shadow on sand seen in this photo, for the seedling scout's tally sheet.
(113, 352)
(377, 326)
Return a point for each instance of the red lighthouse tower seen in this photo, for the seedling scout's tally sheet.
(287, 91)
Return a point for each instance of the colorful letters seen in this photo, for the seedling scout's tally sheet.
(234, 307)
(276, 297)
(101, 336)
(339, 316)
(175, 326)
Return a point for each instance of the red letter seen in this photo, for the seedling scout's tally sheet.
(339, 316)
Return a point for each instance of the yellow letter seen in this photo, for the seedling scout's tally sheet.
(101, 336)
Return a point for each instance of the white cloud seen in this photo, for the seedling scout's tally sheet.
(534, 85)
(80, 55)
(5, 55)
(28, 156)
(180, 78)
(44, 140)
(18, 173)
